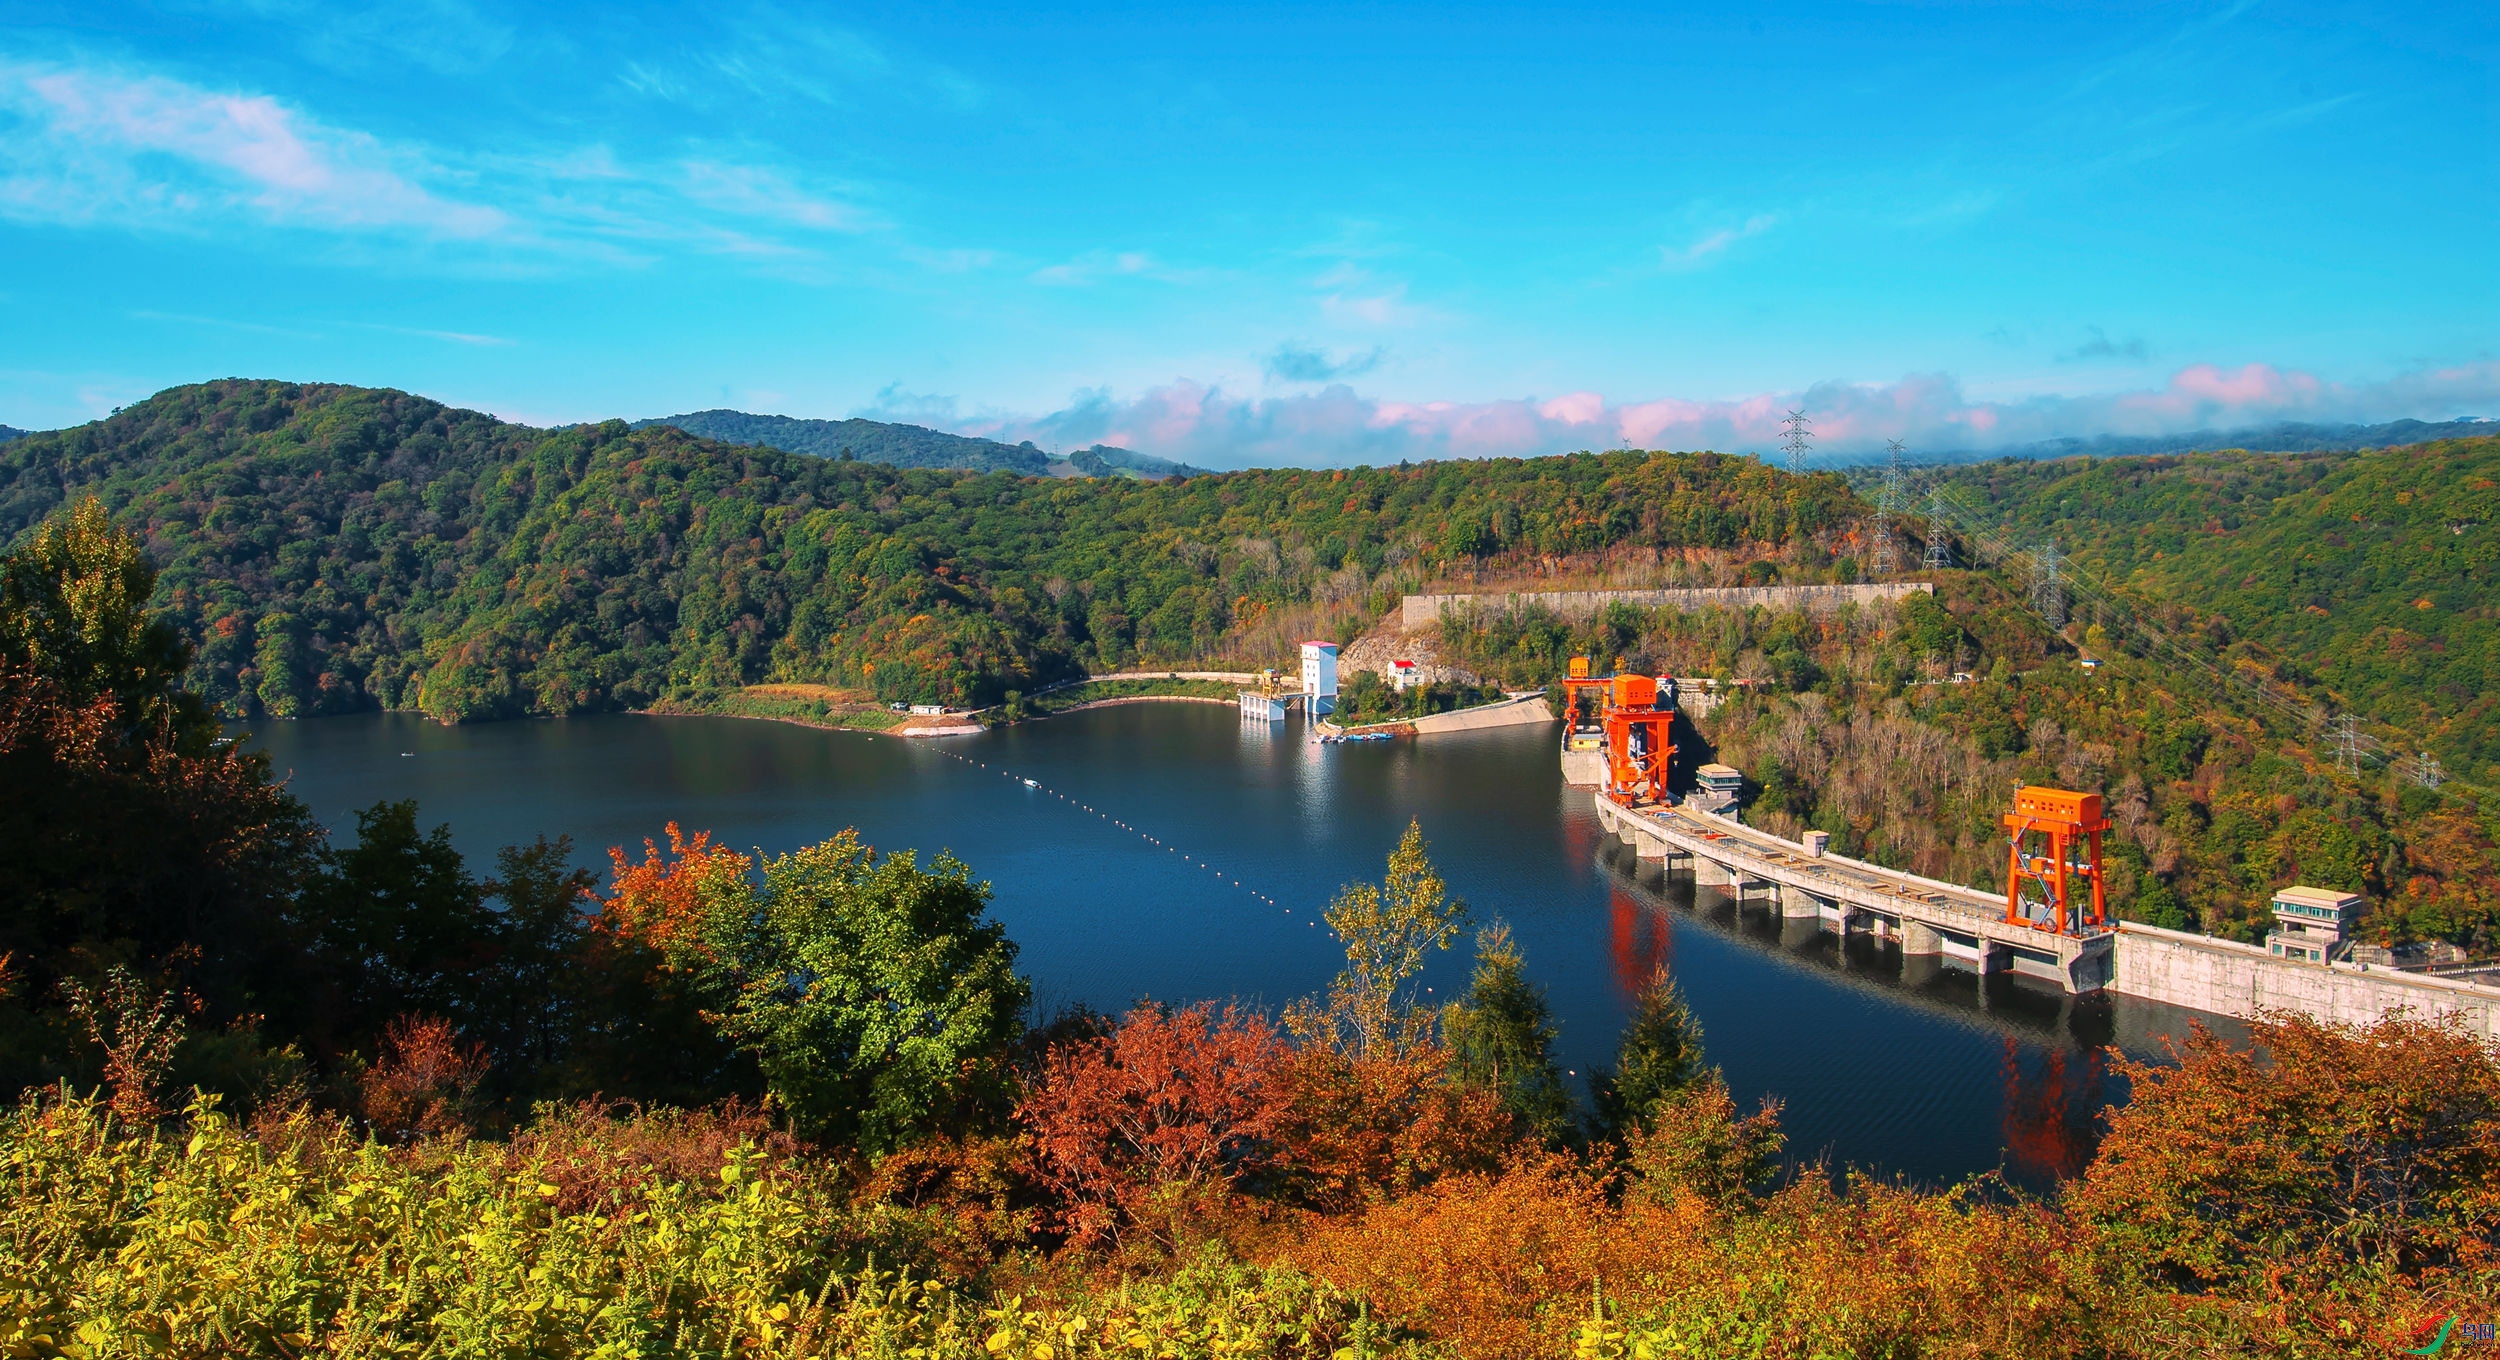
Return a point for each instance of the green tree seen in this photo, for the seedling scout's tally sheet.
(874, 995)
(400, 927)
(537, 941)
(1658, 1056)
(1388, 930)
(73, 607)
(1501, 1037)
(1697, 1145)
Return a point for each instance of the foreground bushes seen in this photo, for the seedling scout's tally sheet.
(2337, 1200)
(580, 1239)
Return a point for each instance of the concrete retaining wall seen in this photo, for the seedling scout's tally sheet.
(1510, 713)
(2227, 978)
(1428, 609)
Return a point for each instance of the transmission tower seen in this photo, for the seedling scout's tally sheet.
(2424, 770)
(2345, 738)
(1799, 439)
(1887, 505)
(2048, 587)
(1939, 551)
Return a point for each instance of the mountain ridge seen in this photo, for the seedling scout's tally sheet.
(911, 446)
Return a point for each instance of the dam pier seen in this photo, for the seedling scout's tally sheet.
(1925, 917)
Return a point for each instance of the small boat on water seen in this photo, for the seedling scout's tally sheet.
(1032, 783)
(1342, 737)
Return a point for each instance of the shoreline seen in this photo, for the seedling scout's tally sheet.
(904, 731)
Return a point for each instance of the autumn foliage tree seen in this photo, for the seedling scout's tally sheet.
(659, 901)
(1157, 1123)
(1388, 929)
(2325, 1153)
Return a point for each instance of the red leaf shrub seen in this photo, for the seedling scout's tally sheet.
(1158, 1121)
(425, 1083)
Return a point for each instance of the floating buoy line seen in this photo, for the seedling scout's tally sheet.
(1082, 806)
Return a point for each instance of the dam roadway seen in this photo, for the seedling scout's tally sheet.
(1924, 916)
(1951, 924)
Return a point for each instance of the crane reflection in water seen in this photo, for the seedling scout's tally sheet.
(2053, 1103)
(1641, 942)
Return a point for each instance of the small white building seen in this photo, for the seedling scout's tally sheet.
(2311, 923)
(1403, 675)
(928, 710)
(1319, 677)
(1717, 788)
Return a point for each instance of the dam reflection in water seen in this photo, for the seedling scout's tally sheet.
(2057, 1069)
(1172, 851)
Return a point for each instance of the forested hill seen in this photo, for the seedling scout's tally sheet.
(2376, 574)
(331, 548)
(867, 441)
(9, 432)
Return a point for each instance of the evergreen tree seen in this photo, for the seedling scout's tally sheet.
(1502, 1038)
(1659, 1056)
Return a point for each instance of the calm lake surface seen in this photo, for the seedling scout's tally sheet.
(1928, 1076)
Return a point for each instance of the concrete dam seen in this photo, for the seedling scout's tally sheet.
(1950, 924)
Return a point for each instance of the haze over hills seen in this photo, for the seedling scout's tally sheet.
(2282, 437)
(866, 441)
(9, 432)
(911, 446)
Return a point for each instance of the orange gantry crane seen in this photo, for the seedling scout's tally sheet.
(1584, 707)
(1639, 739)
(2047, 891)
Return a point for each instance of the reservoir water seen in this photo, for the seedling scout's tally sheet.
(1237, 834)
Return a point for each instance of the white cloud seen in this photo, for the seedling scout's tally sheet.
(1715, 243)
(1097, 266)
(87, 146)
(447, 337)
(763, 192)
(1203, 424)
(93, 146)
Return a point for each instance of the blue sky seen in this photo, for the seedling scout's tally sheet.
(1268, 234)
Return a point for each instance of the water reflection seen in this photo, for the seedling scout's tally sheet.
(1639, 942)
(2056, 1070)
(2053, 1100)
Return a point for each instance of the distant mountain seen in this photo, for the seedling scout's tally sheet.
(2285, 437)
(9, 432)
(1106, 460)
(914, 446)
(867, 441)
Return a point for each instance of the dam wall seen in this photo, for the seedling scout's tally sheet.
(2225, 977)
(1421, 610)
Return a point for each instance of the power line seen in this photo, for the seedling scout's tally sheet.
(2231, 678)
